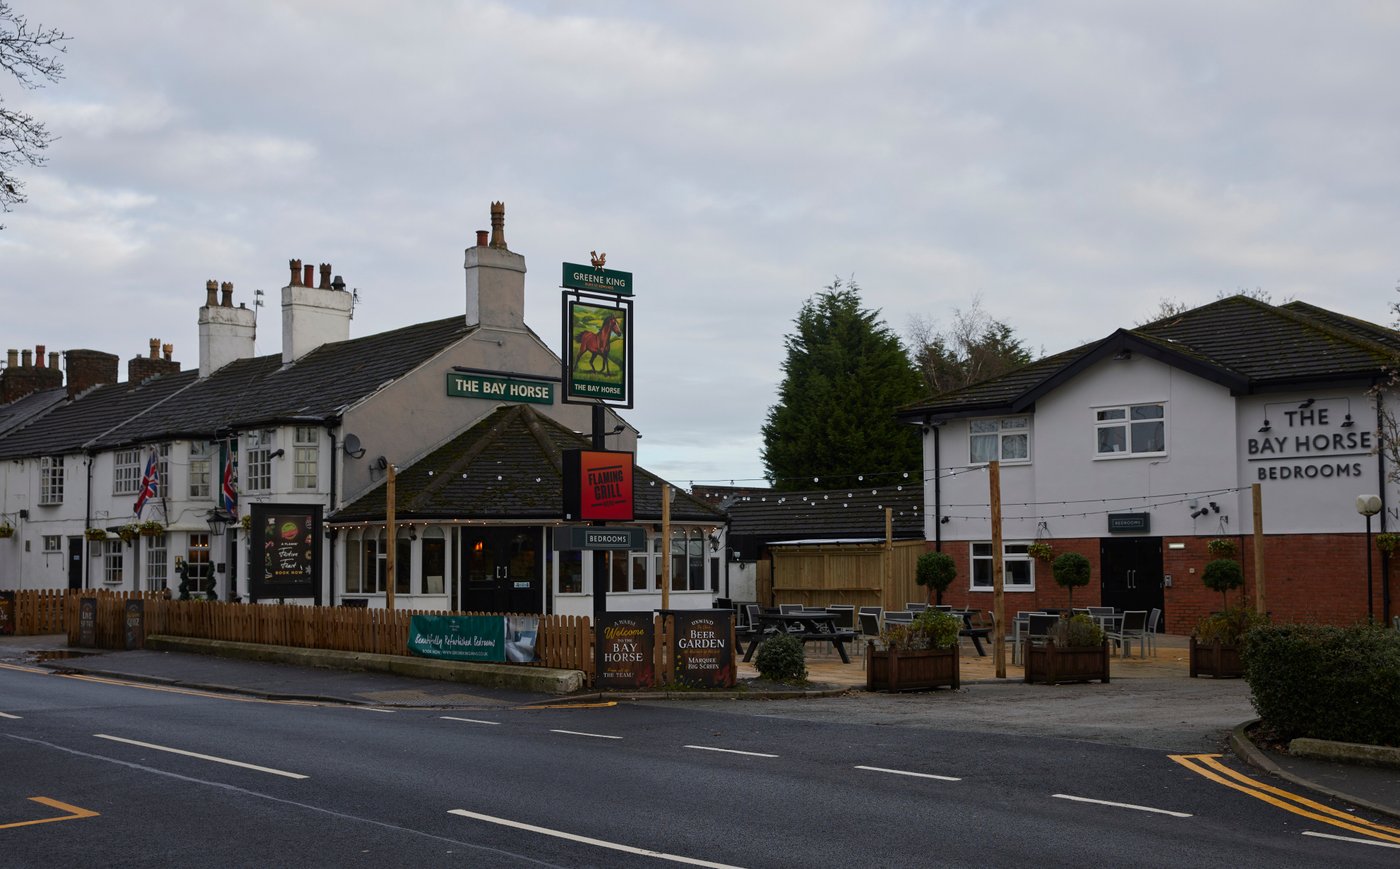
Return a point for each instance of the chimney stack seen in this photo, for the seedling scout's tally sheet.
(495, 279)
(23, 378)
(89, 368)
(481, 238)
(211, 288)
(325, 283)
(312, 315)
(226, 333)
(226, 288)
(28, 356)
(498, 225)
(12, 358)
(144, 367)
(296, 273)
(53, 360)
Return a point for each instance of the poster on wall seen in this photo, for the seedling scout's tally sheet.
(625, 645)
(597, 485)
(704, 649)
(284, 558)
(521, 632)
(597, 351)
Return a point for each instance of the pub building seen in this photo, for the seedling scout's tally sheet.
(466, 409)
(1138, 450)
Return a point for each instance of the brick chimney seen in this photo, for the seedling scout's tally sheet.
(140, 368)
(226, 333)
(495, 279)
(23, 378)
(89, 368)
(312, 316)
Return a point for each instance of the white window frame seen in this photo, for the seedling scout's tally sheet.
(51, 481)
(112, 561)
(201, 470)
(53, 543)
(126, 471)
(258, 476)
(980, 553)
(1002, 429)
(1120, 417)
(157, 562)
(306, 457)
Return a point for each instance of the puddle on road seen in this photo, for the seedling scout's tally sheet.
(56, 655)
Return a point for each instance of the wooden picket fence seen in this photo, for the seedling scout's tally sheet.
(41, 611)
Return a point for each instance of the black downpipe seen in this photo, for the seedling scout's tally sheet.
(937, 492)
(87, 523)
(1380, 474)
(335, 457)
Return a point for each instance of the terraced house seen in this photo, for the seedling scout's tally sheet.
(1139, 449)
(317, 427)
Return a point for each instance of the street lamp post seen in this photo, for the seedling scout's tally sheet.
(1368, 506)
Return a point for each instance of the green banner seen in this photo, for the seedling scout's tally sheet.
(458, 638)
(577, 277)
(500, 388)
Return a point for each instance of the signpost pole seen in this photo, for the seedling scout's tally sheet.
(391, 544)
(665, 546)
(600, 557)
(998, 586)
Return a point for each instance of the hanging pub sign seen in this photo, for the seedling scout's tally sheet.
(284, 558)
(597, 486)
(597, 322)
(596, 278)
(625, 645)
(704, 648)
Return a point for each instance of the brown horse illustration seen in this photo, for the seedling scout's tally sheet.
(597, 343)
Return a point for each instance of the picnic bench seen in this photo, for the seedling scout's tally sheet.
(806, 627)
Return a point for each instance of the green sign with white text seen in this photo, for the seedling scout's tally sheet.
(458, 638)
(577, 277)
(499, 388)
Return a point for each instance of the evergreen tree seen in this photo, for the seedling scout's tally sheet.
(845, 375)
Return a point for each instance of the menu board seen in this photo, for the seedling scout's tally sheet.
(625, 645)
(135, 624)
(285, 551)
(87, 622)
(704, 648)
(7, 613)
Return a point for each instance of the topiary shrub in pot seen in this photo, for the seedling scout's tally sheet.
(1075, 650)
(1217, 643)
(780, 659)
(1221, 575)
(920, 655)
(1071, 570)
(936, 571)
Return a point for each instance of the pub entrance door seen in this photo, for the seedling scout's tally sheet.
(1131, 572)
(501, 569)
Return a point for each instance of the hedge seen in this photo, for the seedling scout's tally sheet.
(1326, 682)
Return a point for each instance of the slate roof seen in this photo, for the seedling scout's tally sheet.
(508, 466)
(242, 394)
(1242, 343)
(757, 520)
(19, 411)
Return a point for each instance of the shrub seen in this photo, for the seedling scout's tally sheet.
(1076, 632)
(780, 659)
(1221, 575)
(1071, 570)
(931, 629)
(937, 570)
(1326, 682)
(1228, 627)
(1221, 547)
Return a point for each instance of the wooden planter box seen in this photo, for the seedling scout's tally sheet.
(1051, 666)
(891, 670)
(1220, 661)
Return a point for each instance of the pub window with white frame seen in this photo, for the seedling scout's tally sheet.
(157, 563)
(201, 463)
(259, 473)
(126, 472)
(1130, 430)
(162, 468)
(1005, 439)
(1018, 568)
(112, 562)
(51, 480)
(305, 456)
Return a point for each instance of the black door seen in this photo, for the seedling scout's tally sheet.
(501, 570)
(75, 562)
(1131, 573)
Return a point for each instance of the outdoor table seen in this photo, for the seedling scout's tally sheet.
(805, 626)
(977, 635)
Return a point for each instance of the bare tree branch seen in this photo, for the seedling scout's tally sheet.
(30, 55)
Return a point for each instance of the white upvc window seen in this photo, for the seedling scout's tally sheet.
(1130, 430)
(157, 562)
(112, 562)
(126, 472)
(53, 543)
(259, 475)
(306, 453)
(201, 464)
(1004, 439)
(1017, 567)
(51, 480)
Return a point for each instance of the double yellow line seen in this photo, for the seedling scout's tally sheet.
(1209, 765)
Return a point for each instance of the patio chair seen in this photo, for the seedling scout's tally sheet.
(943, 607)
(899, 617)
(845, 616)
(916, 607)
(869, 630)
(1153, 619)
(1133, 627)
(786, 608)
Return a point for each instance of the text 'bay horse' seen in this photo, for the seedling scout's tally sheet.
(597, 343)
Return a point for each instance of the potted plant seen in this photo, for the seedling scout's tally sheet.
(1041, 550)
(129, 532)
(1071, 570)
(1217, 641)
(1221, 575)
(1075, 650)
(245, 521)
(6, 530)
(920, 655)
(151, 528)
(1221, 547)
(1386, 541)
(936, 570)
(97, 534)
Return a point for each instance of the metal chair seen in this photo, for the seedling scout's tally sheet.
(916, 607)
(899, 617)
(1133, 627)
(1153, 618)
(845, 616)
(786, 608)
(869, 630)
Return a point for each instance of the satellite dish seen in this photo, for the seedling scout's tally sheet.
(352, 446)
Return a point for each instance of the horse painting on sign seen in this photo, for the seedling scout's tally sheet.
(598, 350)
(597, 344)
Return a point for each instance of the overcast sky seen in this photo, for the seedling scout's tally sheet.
(1071, 164)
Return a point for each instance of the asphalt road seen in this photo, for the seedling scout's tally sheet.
(141, 776)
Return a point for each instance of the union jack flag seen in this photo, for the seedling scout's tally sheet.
(150, 484)
(228, 488)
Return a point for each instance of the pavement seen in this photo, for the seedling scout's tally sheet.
(1150, 701)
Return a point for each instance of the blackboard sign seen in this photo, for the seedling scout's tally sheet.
(1129, 523)
(7, 613)
(284, 551)
(625, 645)
(704, 649)
(87, 622)
(135, 624)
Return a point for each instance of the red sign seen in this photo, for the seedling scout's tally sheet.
(597, 486)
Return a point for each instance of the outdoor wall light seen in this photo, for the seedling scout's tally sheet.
(1265, 427)
(944, 520)
(1196, 514)
(1306, 404)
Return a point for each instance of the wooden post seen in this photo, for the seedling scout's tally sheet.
(889, 558)
(665, 546)
(392, 543)
(998, 586)
(1258, 550)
